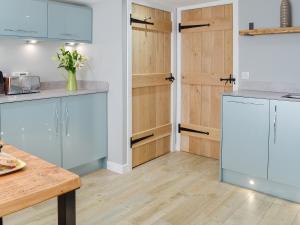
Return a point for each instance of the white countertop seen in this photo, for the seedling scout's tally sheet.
(51, 93)
(260, 95)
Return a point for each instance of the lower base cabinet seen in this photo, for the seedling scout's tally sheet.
(33, 126)
(260, 145)
(84, 129)
(284, 154)
(69, 131)
(245, 135)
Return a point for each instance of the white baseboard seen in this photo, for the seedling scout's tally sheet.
(118, 168)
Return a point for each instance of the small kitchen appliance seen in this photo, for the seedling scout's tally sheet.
(23, 84)
(1, 83)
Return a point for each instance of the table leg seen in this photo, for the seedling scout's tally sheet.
(67, 209)
(1, 221)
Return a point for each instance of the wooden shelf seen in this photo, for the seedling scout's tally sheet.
(269, 31)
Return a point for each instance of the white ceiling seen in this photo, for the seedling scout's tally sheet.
(178, 3)
(166, 3)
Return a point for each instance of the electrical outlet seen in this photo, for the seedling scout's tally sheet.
(245, 75)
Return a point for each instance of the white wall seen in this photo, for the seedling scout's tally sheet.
(272, 60)
(15, 55)
(106, 63)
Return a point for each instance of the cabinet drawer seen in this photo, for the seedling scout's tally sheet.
(245, 135)
(26, 18)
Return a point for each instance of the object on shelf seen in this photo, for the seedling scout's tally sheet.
(285, 14)
(251, 26)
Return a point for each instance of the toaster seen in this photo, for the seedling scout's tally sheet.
(15, 85)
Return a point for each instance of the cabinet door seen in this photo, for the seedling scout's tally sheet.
(69, 22)
(245, 135)
(24, 18)
(84, 130)
(33, 126)
(284, 165)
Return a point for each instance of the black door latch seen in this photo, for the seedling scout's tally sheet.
(135, 141)
(171, 78)
(180, 128)
(229, 80)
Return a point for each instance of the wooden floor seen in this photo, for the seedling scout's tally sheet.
(177, 189)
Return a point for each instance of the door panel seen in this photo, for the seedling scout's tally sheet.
(245, 135)
(284, 151)
(84, 129)
(151, 93)
(26, 18)
(206, 58)
(41, 137)
(69, 22)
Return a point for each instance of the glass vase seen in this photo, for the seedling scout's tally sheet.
(72, 82)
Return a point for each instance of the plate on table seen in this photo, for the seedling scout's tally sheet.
(5, 170)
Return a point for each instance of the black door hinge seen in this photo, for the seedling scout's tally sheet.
(134, 141)
(183, 27)
(229, 80)
(180, 128)
(171, 78)
(134, 20)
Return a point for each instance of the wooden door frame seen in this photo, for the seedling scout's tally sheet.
(235, 52)
(128, 88)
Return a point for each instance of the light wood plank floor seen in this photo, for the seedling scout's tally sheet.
(176, 189)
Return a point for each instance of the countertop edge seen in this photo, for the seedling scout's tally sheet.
(260, 95)
(48, 94)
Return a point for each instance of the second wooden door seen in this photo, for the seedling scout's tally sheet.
(206, 59)
(151, 88)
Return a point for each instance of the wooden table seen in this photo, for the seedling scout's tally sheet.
(38, 182)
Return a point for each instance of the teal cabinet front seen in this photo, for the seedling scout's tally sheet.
(284, 153)
(84, 130)
(33, 126)
(245, 135)
(23, 18)
(69, 22)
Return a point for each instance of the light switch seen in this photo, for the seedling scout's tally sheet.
(245, 75)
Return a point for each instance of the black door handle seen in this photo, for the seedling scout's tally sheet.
(135, 141)
(229, 80)
(171, 78)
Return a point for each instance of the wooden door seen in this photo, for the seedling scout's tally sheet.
(151, 91)
(206, 57)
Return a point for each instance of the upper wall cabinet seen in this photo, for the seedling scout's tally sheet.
(69, 22)
(25, 18)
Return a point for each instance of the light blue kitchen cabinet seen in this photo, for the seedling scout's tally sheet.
(284, 151)
(33, 126)
(84, 130)
(69, 22)
(245, 135)
(23, 18)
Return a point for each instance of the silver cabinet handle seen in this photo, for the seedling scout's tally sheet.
(66, 34)
(275, 125)
(69, 35)
(21, 31)
(9, 30)
(57, 120)
(246, 103)
(26, 31)
(67, 120)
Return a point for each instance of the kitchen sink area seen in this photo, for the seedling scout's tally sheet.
(292, 96)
